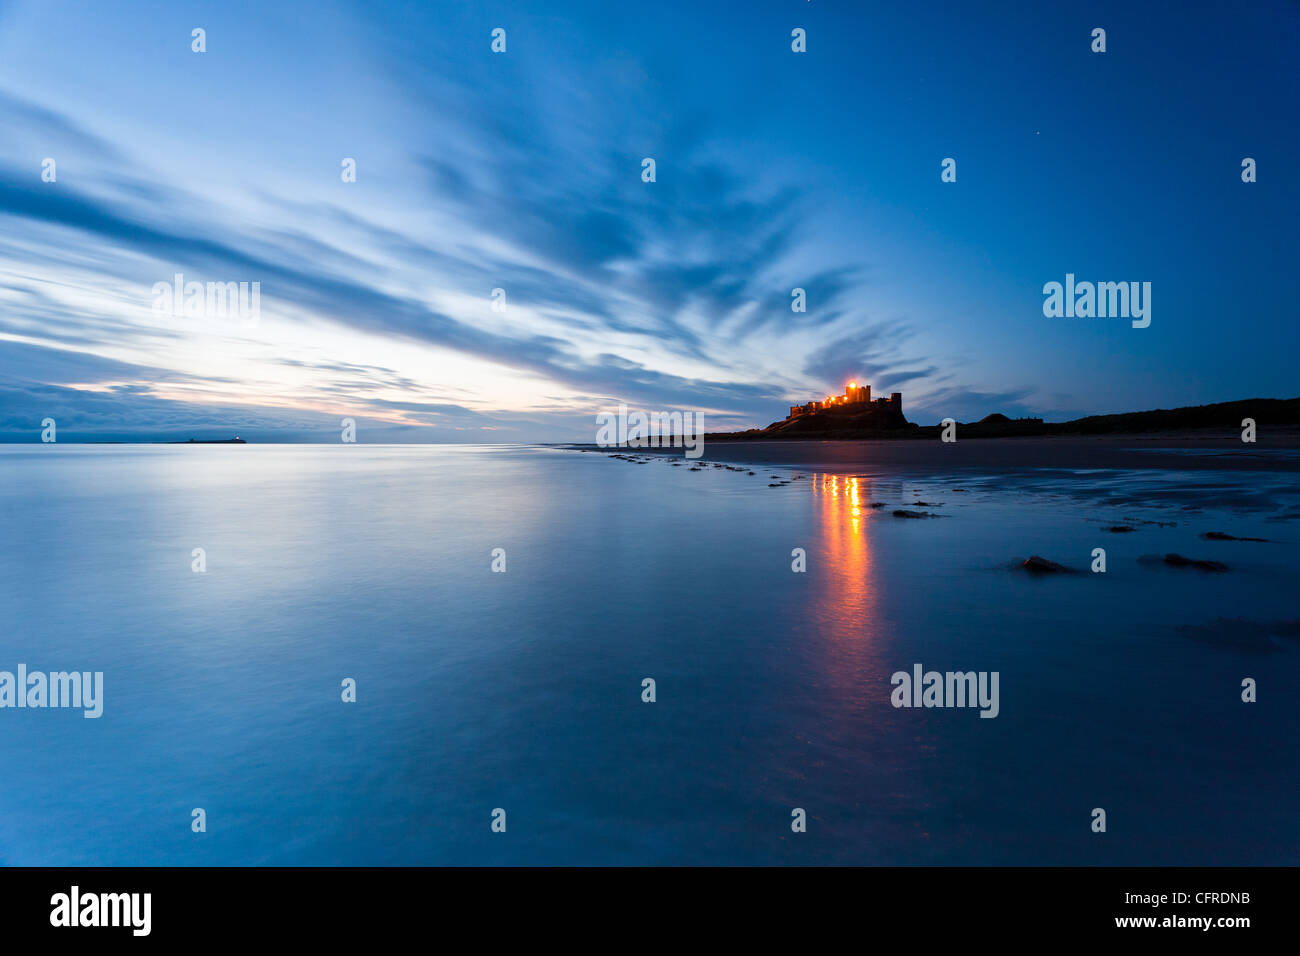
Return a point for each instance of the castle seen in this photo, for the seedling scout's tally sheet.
(856, 398)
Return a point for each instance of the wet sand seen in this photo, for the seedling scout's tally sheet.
(1164, 451)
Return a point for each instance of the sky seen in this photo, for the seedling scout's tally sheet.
(523, 171)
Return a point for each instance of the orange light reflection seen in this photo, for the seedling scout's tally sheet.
(848, 603)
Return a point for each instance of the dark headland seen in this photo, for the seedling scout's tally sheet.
(884, 419)
(854, 434)
(209, 441)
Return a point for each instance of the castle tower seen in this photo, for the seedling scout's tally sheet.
(855, 394)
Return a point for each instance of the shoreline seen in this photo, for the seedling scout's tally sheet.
(1170, 451)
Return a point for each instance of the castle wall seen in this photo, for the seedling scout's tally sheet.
(853, 396)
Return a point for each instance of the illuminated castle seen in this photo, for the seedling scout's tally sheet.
(855, 398)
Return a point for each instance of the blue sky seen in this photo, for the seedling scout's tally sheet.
(522, 171)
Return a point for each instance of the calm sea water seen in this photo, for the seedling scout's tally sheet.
(478, 690)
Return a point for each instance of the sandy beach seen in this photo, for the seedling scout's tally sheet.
(1182, 452)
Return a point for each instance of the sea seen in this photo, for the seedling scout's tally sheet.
(545, 655)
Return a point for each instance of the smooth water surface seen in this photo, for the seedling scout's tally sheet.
(522, 690)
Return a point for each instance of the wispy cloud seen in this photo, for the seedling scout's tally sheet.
(605, 264)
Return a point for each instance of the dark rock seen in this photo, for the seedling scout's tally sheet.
(1178, 561)
(1222, 536)
(1035, 564)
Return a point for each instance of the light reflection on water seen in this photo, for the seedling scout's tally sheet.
(847, 589)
